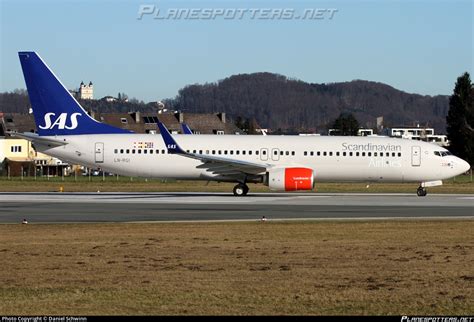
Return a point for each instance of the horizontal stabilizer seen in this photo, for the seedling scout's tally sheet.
(38, 139)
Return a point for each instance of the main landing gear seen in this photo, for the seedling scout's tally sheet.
(421, 191)
(241, 190)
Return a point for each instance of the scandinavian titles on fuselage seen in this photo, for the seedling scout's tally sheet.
(371, 147)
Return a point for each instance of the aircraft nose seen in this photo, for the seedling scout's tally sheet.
(464, 166)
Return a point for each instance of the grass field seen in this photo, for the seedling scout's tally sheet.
(397, 267)
(460, 184)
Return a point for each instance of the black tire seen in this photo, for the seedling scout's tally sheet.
(421, 192)
(241, 190)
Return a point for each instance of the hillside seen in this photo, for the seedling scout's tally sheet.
(277, 102)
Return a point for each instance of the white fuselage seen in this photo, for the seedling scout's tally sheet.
(331, 158)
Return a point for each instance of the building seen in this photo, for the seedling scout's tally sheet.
(86, 92)
(417, 133)
(138, 122)
(109, 99)
(19, 158)
(360, 132)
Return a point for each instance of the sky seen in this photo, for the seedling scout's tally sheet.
(415, 46)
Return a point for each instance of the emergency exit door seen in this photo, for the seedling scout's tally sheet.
(415, 156)
(99, 152)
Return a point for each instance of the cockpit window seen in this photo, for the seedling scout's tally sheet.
(442, 153)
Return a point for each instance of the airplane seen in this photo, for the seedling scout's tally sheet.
(283, 163)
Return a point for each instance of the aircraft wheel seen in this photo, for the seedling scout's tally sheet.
(421, 192)
(241, 190)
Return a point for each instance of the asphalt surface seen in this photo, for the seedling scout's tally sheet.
(140, 207)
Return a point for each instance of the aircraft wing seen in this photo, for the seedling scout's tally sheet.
(214, 164)
(35, 138)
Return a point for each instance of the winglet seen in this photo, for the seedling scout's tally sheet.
(170, 143)
(186, 129)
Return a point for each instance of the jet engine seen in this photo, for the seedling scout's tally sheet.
(290, 179)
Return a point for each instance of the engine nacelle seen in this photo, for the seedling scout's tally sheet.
(290, 179)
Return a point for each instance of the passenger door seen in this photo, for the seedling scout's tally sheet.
(99, 152)
(415, 156)
(264, 154)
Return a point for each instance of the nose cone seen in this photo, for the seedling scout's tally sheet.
(464, 166)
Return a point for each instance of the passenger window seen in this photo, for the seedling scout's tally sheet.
(121, 151)
(194, 151)
(256, 152)
(145, 151)
(264, 152)
(363, 154)
(207, 151)
(350, 154)
(151, 151)
(375, 154)
(337, 153)
(225, 152)
(281, 152)
(318, 153)
(324, 153)
(292, 152)
(163, 151)
(200, 151)
(128, 151)
(237, 152)
(393, 154)
(133, 151)
(305, 153)
(158, 151)
(387, 154)
(275, 152)
(287, 152)
(357, 154)
(330, 154)
(250, 152)
(243, 152)
(231, 151)
(343, 154)
(115, 151)
(311, 153)
(139, 151)
(399, 154)
(213, 151)
(369, 154)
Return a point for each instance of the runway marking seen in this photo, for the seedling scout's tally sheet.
(305, 219)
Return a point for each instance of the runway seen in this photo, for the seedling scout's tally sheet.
(147, 207)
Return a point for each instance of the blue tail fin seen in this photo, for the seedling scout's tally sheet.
(55, 110)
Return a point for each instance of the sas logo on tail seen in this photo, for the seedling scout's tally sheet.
(60, 121)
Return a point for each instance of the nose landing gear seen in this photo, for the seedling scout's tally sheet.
(241, 190)
(421, 191)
